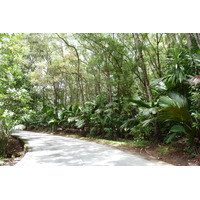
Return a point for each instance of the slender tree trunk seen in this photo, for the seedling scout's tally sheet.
(82, 90)
(180, 39)
(78, 69)
(65, 93)
(189, 40)
(158, 55)
(168, 41)
(55, 99)
(71, 89)
(197, 37)
(96, 84)
(86, 91)
(109, 88)
(142, 65)
(174, 38)
(99, 81)
(43, 98)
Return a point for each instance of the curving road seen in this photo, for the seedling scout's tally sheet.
(54, 150)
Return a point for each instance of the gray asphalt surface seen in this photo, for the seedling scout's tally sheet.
(51, 150)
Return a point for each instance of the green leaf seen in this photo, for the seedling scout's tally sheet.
(52, 121)
(171, 137)
(174, 107)
(138, 102)
(72, 119)
(178, 129)
(147, 122)
(80, 123)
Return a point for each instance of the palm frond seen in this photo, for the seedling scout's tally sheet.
(174, 107)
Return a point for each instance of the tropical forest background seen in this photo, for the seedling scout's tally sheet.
(140, 87)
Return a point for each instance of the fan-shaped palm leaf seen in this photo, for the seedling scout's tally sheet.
(174, 107)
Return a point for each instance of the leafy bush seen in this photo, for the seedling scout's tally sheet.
(195, 110)
(6, 124)
(175, 108)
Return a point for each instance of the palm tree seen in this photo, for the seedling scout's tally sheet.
(174, 108)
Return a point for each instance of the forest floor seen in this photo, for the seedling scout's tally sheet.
(171, 155)
(14, 151)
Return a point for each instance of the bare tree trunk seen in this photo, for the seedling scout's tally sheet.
(197, 37)
(168, 42)
(65, 93)
(174, 38)
(43, 98)
(109, 88)
(96, 85)
(71, 94)
(158, 55)
(189, 40)
(180, 38)
(142, 65)
(78, 68)
(99, 81)
(55, 99)
(86, 91)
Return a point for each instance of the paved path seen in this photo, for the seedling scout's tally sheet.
(54, 150)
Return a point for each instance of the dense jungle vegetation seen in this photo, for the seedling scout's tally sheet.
(141, 87)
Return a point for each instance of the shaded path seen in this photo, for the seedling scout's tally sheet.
(54, 150)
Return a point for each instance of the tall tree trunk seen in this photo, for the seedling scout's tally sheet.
(65, 93)
(158, 55)
(142, 65)
(197, 38)
(71, 89)
(174, 38)
(86, 91)
(180, 39)
(108, 84)
(189, 40)
(78, 68)
(145, 76)
(55, 89)
(168, 41)
(99, 81)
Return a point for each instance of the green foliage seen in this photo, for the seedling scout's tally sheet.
(6, 124)
(174, 107)
(178, 129)
(107, 85)
(175, 132)
(195, 110)
(14, 91)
